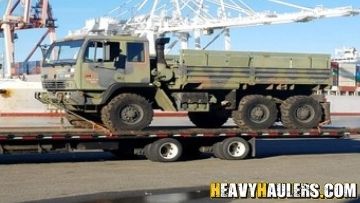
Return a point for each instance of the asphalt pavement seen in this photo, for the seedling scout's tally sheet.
(100, 177)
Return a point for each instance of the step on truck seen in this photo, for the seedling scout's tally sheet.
(115, 82)
(159, 144)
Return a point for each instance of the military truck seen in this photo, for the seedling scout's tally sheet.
(115, 82)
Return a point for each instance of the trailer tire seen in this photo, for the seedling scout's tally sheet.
(217, 150)
(212, 119)
(165, 150)
(235, 148)
(300, 112)
(127, 112)
(255, 112)
(147, 152)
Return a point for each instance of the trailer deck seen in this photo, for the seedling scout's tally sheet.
(68, 133)
(191, 139)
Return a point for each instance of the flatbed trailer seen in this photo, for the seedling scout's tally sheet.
(163, 144)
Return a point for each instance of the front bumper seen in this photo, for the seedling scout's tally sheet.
(61, 98)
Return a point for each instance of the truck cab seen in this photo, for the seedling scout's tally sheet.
(95, 63)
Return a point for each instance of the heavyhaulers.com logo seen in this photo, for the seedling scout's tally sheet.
(283, 190)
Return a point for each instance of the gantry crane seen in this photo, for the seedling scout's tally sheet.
(25, 14)
(184, 18)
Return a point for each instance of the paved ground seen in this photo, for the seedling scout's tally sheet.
(39, 177)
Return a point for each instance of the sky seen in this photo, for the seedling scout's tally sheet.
(320, 36)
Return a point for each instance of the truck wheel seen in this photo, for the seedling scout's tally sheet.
(212, 119)
(300, 112)
(255, 112)
(127, 112)
(235, 148)
(165, 150)
(217, 150)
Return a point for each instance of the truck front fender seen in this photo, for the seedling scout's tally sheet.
(117, 88)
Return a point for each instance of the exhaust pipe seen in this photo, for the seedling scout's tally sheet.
(164, 73)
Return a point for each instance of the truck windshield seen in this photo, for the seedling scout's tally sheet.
(63, 53)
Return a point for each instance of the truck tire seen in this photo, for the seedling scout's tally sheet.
(212, 119)
(165, 150)
(255, 112)
(235, 148)
(127, 112)
(300, 112)
(217, 150)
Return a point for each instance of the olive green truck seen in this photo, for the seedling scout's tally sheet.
(115, 82)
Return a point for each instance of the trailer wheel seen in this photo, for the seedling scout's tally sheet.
(147, 152)
(217, 150)
(300, 112)
(235, 148)
(165, 150)
(127, 112)
(255, 112)
(212, 119)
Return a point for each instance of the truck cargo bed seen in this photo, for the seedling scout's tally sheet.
(211, 68)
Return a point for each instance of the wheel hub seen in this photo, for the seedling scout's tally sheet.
(236, 149)
(259, 113)
(131, 114)
(168, 150)
(305, 113)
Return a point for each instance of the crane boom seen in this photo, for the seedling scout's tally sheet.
(35, 14)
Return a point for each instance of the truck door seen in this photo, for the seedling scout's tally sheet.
(104, 64)
(137, 63)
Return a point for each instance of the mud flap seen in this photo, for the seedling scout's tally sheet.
(326, 109)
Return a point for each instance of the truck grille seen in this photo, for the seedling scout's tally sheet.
(54, 84)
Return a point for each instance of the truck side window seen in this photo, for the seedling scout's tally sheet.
(135, 52)
(102, 52)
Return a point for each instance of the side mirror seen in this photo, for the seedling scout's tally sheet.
(44, 49)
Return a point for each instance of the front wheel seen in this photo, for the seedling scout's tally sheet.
(127, 112)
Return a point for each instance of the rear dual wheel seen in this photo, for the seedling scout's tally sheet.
(235, 148)
(164, 150)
